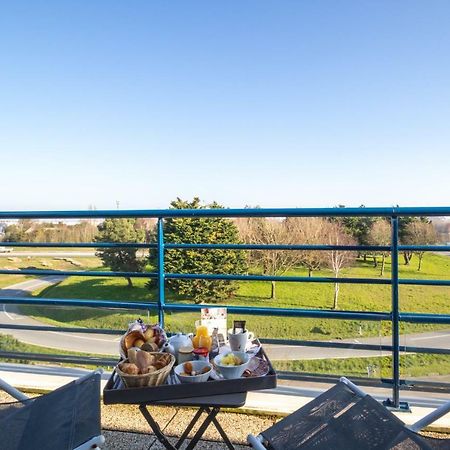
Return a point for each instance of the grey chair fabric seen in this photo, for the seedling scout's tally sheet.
(340, 420)
(60, 420)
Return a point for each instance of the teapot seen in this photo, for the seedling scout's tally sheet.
(177, 341)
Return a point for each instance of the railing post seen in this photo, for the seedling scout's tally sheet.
(395, 315)
(161, 274)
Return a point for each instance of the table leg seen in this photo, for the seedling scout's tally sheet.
(221, 432)
(211, 416)
(189, 427)
(156, 429)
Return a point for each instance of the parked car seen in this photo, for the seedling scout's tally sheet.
(6, 249)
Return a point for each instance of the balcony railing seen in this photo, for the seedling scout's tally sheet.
(394, 316)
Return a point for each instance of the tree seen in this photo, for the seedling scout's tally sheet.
(270, 231)
(309, 231)
(358, 227)
(420, 233)
(199, 230)
(380, 234)
(404, 233)
(22, 231)
(337, 259)
(120, 259)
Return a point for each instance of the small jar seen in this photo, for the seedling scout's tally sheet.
(185, 354)
(201, 354)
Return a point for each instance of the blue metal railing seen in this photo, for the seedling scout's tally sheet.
(161, 306)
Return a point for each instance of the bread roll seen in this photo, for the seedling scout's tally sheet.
(149, 369)
(129, 368)
(132, 352)
(150, 347)
(143, 360)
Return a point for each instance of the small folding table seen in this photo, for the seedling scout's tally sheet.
(211, 405)
(220, 394)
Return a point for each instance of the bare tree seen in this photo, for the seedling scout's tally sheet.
(269, 231)
(309, 231)
(380, 234)
(420, 233)
(337, 259)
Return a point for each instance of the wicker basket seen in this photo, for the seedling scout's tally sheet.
(149, 379)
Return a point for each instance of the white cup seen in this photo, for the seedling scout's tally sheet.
(238, 341)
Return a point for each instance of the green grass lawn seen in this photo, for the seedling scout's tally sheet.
(35, 262)
(429, 299)
(49, 262)
(9, 280)
(9, 344)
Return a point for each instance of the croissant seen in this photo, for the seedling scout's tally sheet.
(131, 337)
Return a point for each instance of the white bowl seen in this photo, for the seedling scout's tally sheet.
(197, 366)
(230, 372)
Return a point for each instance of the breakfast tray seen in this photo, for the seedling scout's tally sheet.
(115, 392)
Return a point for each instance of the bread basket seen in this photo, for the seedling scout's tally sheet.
(155, 378)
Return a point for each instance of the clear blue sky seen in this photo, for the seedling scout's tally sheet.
(270, 103)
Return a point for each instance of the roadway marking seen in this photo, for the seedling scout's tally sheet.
(9, 316)
(83, 337)
(428, 337)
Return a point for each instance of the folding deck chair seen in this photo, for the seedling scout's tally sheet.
(66, 419)
(345, 418)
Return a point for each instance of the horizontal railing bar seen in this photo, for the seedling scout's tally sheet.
(290, 279)
(284, 312)
(184, 276)
(424, 318)
(109, 304)
(424, 248)
(69, 359)
(355, 248)
(9, 326)
(298, 343)
(76, 273)
(319, 247)
(78, 244)
(332, 379)
(409, 385)
(244, 212)
(413, 282)
(303, 247)
(354, 346)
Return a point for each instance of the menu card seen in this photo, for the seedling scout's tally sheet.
(215, 318)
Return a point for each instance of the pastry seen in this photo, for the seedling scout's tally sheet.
(138, 343)
(187, 367)
(132, 355)
(129, 368)
(143, 360)
(149, 333)
(150, 347)
(131, 337)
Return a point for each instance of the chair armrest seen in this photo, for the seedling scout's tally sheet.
(256, 442)
(95, 442)
(430, 418)
(12, 391)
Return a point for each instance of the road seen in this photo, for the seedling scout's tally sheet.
(105, 344)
